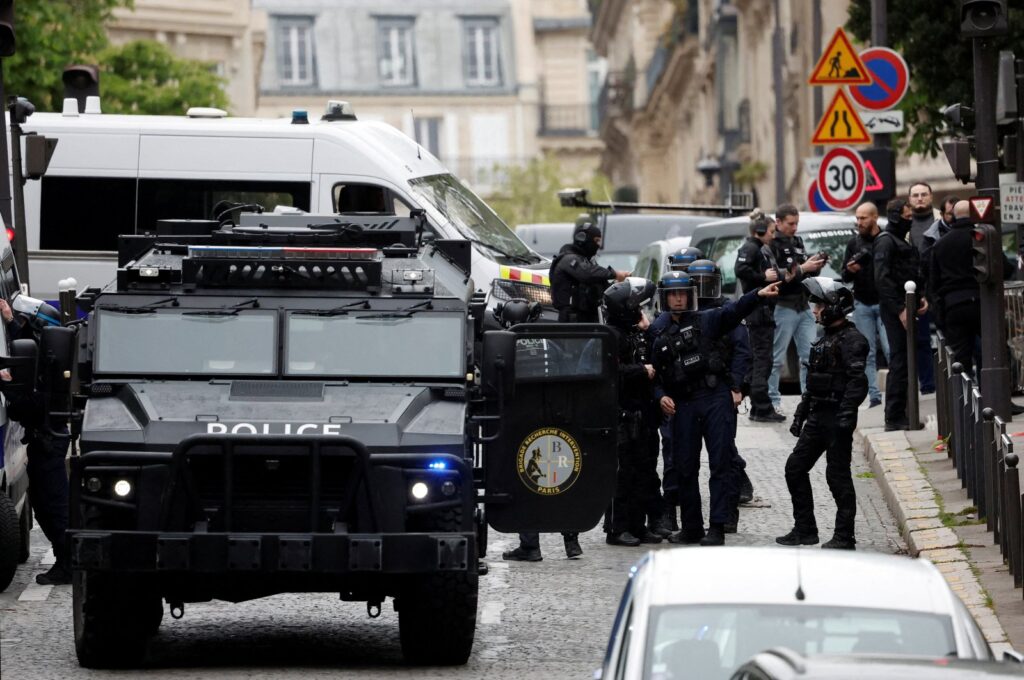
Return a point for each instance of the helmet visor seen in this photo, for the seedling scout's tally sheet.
(707, 285)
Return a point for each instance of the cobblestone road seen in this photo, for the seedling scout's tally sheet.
(546, 620)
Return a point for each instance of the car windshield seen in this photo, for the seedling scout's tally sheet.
(709, 642)
(470, 215)
(365, 344)
(620, 261)
(158, 341)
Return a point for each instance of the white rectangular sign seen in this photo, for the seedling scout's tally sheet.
(882, 122)
(1011, 200)
(811, 166)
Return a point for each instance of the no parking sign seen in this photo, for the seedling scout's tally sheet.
(889, 79)
(841, 178)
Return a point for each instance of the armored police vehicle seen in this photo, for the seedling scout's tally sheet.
(309, 404)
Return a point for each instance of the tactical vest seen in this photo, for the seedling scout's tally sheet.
(687, 359)
(568, 293)
(826, 372)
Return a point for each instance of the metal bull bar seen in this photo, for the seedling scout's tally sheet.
(982, 452)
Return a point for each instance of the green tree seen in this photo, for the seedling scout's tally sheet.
(528, 193)
(145, 77)
(927, 34)
(50, 35)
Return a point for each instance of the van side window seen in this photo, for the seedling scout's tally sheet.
(9, 276)
(85, 213)
(367, 198)
(161, 199)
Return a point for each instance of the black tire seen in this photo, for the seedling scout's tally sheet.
(437, 612)
(113, 619)
(25, 526)
(10, 540)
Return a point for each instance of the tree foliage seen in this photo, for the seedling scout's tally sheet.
(50, 35)
(145, 77)
(528, 193)
(927, 34)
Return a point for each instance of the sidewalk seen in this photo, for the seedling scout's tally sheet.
(939, 522)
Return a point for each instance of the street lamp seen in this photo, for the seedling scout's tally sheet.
(709, 166)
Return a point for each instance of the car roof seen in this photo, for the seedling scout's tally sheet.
(826, 577)
(630, 232)
(809, 221)
(784, 663)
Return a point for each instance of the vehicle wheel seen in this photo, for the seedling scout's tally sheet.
(437, 618)
(437, 612)
(113, 618)
(25, 524)
(10, 540)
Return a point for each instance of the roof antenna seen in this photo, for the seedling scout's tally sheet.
(799, 579)
(418, 147)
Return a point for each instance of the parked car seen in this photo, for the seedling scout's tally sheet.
(626, 234)
(15, 511)
(699, 614)
(546, 238)
(785, 664)
(829, 232)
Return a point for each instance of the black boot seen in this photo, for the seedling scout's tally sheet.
(715, 535)
(746, 488)
(732, 526)
(670, 518)
(840, 543)
(623, 538)
(58, 575)
(659, 527)
(686, 537)
(522, 554)
(796, 537)
(648, 536)
(572, 546)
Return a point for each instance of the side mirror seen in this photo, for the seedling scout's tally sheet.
(1012, 656)
(57, 355)
(22, 365)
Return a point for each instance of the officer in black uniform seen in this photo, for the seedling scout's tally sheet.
(637, 479)
(896, 262)
(577, 281)
(755, 267)
(735, 349)
(693, 393)
(679, 261)
(517, 311)
(47, 449)
(827, 416)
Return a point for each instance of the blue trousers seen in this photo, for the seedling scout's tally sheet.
(708, 416)
(868, 320)
(799, 327)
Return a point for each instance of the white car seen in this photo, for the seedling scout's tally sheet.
(702, 613)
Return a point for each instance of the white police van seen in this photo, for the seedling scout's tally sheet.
(117, 174)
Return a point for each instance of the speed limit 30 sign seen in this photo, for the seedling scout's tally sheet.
(841, 178)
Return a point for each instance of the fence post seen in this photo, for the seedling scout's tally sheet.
(980, 464)
(941, 387)
(990, 450)
(1012, 488)
(913, 411)
(956, 442)
(999, 502)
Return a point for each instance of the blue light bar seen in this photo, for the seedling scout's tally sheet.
(438, 465)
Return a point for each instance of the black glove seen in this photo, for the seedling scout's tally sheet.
(797, 426)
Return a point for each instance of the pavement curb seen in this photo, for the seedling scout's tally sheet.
(912, 499)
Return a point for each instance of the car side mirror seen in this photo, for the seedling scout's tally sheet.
(22, 366)
(1012, 656)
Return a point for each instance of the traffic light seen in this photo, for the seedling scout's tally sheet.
(988, 253)
(80, 81)
(6, 28)
(983, 18)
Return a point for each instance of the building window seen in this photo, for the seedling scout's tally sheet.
(482, 53)
(295, 51)
(396, 58)
(428, 134)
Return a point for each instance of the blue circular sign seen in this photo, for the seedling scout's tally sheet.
(889, 79)
(815, 203)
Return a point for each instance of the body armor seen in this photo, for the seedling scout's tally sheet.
(687, 359)
(826, 371)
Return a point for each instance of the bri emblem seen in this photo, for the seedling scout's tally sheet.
(549, 461)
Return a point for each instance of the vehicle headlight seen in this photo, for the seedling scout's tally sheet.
(123, 488)
(419, 490)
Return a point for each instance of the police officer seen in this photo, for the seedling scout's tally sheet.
(47, 446)
(577, 281)
(896, 262)
(511, 313)
(735, 349)
(693, 393)
(827, 416)
(637, 479)
(755, 267)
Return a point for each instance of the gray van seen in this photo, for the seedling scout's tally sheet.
(626, 234)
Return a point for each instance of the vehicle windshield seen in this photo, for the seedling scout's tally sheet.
(618, 261)
(470, 215)
(709, 642)
(176, 341)
(365, 344)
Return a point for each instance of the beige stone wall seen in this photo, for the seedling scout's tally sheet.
(225, 32)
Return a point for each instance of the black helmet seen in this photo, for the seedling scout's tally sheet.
(623, 300)
(682, 258)
(707, 280)
(516, 311)
(837, 298)
(677, 281)
(583, 238)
